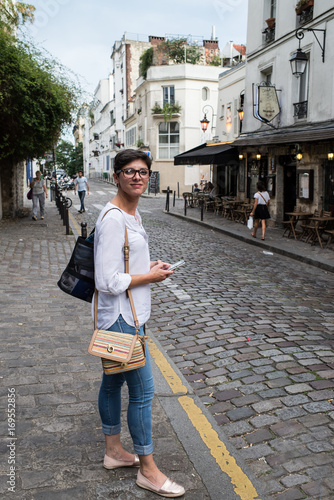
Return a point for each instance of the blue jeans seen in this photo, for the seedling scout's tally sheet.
(141, 392)
(82, 197)
(38, 199)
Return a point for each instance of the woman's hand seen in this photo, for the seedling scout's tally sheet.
(156, 262)
(159, 271)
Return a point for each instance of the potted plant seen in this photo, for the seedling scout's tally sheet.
(270, 22)
(303, 5)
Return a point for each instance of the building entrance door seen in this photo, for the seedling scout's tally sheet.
(329, 187)
(227, 176)
(290, 188)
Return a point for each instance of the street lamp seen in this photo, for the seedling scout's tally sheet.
(299, 59)
(241, 109)
(205, 122)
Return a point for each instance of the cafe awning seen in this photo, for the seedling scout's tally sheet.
(207, 154)
(309, 133)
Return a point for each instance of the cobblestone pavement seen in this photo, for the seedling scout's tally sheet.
(253, 335)
(50, 429)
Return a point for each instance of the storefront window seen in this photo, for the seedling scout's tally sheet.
(305, 185)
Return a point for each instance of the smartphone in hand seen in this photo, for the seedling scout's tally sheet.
(176, 264)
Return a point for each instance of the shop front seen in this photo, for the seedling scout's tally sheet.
(295, 165)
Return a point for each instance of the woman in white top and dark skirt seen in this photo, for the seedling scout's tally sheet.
(131, 175)
(260, 210)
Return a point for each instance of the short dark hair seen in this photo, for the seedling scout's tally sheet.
(260, 186)
(126, 156)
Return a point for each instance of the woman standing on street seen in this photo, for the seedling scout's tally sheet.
(260, 210)
(131, 175)
(39, 193)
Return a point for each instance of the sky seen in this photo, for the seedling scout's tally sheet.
(81, 33)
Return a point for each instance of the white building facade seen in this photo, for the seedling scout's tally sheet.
(189, 88)
(304, 123)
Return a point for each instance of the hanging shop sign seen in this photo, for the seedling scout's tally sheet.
(265, 103)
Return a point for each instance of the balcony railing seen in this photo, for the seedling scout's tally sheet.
(306, 16)
(268, 35)
(300, 109)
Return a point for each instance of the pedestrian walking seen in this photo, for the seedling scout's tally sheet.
(39, 193)
(81, 184)
(132, 170)
(260, 210)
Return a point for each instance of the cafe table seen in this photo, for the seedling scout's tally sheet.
(294, 217)
(319, 225)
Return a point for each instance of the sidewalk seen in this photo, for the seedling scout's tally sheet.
(322, 258)
(52, 446)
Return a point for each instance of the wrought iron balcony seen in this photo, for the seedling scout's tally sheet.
(300, 109)
(306, 16)
(269, 35)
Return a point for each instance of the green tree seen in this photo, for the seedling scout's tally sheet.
(12, 14)
(76, 159)
(146, 60)
(178, 51)
(37, 100)
(69, 157)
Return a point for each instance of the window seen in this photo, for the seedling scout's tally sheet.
(205, 93)
(112, 119)
(168, 95)
(272, 8)
(222, 111)
(303, 83)
(300, 107)
(235, 118)
(267, 75)
(130, 137)
(169, 140)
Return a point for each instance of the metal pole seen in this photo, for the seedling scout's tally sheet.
(67, 222)
(84, 229)
(178, 190)
(174, 198)
(202, 209)
(185, 206)
(167, 200)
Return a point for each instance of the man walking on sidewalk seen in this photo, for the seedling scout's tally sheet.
(82, 185)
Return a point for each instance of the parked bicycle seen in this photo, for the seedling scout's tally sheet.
(68, 201)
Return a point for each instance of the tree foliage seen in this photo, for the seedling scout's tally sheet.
(12, 14)
(37, 98)
(69, 157)
(146, 60)
(179, 51)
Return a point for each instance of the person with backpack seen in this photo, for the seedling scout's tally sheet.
(132, 169)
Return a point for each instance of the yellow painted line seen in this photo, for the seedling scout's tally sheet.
(172, 379)
(75, 224)
(242, 485)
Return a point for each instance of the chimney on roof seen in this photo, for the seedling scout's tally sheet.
(213, 36)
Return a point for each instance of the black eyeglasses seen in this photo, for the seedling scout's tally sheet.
(131, 172)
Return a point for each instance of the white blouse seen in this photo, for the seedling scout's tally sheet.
(260, 199)
(110, 278)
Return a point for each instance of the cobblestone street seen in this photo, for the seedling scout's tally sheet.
(251, 333)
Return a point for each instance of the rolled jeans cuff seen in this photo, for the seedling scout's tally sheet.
(110, 430)
(143, 450)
